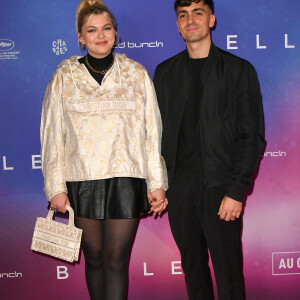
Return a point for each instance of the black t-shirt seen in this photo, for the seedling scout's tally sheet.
(189, 154)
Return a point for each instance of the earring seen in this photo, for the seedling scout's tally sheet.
(82, 45)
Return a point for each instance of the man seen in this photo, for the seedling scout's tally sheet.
(213, 135)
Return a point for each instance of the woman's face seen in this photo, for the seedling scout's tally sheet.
(98, 34)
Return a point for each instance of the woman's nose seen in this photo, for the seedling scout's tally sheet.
(100, 34)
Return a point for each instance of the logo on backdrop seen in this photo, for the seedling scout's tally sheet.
(176, 269)
(59, 47)
(232, 42)
(131, 45)
(275, 154)
(62, 272)
(6, 45)
(286, 263)
(6, 49)
(11, 275)
(7, 164)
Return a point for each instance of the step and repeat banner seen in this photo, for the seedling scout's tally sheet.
(36, 35)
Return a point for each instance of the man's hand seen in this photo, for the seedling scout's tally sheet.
(59, 202)
(158, 201)
(230, 209)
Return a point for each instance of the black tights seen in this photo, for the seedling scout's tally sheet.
(106, 246)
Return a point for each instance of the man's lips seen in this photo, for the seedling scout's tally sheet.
(192, 28)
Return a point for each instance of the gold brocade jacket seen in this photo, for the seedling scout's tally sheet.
(91, 132)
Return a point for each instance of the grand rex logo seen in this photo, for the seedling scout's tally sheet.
(6, 44)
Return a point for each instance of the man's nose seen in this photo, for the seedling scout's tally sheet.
(190, 18)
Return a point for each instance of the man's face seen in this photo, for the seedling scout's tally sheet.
(194, 22)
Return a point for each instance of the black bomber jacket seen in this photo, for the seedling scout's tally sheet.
(231, 117)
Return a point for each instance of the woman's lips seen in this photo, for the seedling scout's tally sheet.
(101, 43)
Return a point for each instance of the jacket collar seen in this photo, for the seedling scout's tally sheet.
(183, 71)
(113, 76)
(209, 64)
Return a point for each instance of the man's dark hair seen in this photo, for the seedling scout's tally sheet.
(180, 3)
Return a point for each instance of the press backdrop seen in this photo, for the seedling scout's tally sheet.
(36, 35)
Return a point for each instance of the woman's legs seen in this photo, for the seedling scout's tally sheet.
(106, 246)
(92, 237)
(118, 235)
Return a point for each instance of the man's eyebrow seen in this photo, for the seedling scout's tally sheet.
(181, 11)
(197, 9)
(185, 11)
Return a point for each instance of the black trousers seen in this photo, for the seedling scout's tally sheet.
(196, 227)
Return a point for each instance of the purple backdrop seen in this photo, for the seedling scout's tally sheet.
(36, 36)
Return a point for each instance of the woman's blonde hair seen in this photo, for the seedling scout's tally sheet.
(88, 8)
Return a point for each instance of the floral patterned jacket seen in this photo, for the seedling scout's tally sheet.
(91, 132)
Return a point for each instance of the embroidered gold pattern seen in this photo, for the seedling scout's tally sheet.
(121, 118)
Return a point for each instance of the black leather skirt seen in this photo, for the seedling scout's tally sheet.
(113, 198)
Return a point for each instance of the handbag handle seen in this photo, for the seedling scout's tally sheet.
(71, 215)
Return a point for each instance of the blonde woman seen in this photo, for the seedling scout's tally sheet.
(100, 137)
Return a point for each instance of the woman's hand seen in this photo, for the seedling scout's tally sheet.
(59, 202)
(158, 201)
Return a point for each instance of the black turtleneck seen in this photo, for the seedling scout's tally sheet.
(98, 64)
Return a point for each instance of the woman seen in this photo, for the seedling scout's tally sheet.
(100, 136)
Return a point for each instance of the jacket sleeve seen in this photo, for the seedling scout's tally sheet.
(156, 169)
(249, 133)
(159, 89)
(52, 139)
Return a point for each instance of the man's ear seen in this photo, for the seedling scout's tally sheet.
(212, 21)
(177, 26)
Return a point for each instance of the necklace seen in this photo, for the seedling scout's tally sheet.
(103, 72)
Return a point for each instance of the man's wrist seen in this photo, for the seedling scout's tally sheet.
(236, 192)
